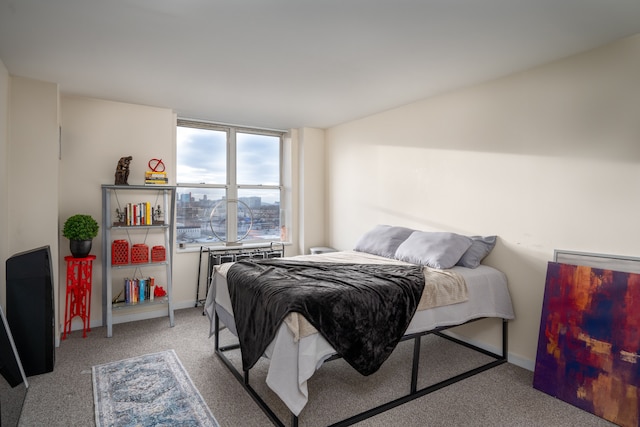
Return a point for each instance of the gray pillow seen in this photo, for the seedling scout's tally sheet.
(480, 248)
(383, 240)
(434, 249)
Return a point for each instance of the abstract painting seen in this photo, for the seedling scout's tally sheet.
(589, 341)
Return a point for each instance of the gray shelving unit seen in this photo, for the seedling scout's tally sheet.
(111, 199)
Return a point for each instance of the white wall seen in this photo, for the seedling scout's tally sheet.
(546, 159)
(32, 167)
(312, 199)
(33, 164)
(95, 135)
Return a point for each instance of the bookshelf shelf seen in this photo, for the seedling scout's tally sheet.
(138, 227)
(155, 228)
(138, 265)
(125, 305)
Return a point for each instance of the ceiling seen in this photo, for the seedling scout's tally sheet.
(293, 63)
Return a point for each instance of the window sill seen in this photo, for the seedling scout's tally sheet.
(222, 247)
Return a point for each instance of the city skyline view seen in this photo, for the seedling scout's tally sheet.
(203, 220)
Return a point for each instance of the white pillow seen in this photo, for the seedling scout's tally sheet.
(433, 249)
(383, 240)
(480, 248)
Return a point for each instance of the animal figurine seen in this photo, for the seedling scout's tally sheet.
(122, 170)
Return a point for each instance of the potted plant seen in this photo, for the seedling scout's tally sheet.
(80, 229)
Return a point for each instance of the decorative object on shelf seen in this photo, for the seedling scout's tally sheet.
(158, 253)
(157, 216)
(120, 252)
(122, 170)
(121, 215)
(139, 253)
(156, 165)
(156, 174)
(80, 229)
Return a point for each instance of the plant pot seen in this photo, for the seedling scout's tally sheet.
(80, 248)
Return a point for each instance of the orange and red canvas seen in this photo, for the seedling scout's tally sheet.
(589, 341)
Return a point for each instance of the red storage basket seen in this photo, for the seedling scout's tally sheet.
(119, 252)
(139, 253)
(158, 254)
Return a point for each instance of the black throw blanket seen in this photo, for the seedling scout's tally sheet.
(361, 309)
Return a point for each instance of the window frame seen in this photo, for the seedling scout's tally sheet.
(231, 188)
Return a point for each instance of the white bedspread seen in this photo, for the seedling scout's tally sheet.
(488, 296)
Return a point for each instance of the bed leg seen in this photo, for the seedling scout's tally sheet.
(505, 337)
(216, 325)
(415, 365)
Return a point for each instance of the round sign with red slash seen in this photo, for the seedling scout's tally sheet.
(156, 165)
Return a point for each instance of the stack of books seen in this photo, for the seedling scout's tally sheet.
(155, 178)
(138, 290)
(138, 214)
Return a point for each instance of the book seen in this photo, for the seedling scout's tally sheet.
(157, 181)
(155, 173)
(152, 285)
(141, 289)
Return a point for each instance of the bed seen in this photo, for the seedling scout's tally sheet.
(451, 297)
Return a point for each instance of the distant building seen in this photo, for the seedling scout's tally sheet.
(253, 202)
(188, 233)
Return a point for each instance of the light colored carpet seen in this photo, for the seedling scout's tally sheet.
(149, 390)
(500, 397)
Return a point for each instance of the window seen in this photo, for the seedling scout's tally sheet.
(229, 184)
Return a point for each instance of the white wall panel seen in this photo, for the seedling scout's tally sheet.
(546, 159)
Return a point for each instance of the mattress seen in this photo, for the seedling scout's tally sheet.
(487, 296)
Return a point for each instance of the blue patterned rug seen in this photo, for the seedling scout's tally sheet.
(149, 390)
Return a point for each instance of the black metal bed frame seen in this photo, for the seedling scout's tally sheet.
(414, 392)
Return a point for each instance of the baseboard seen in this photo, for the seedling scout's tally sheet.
(514, 359)
(151, 314)
(161, 311)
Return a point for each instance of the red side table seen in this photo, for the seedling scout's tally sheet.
(78, 299)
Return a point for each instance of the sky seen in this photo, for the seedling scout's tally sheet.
(201, 158)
